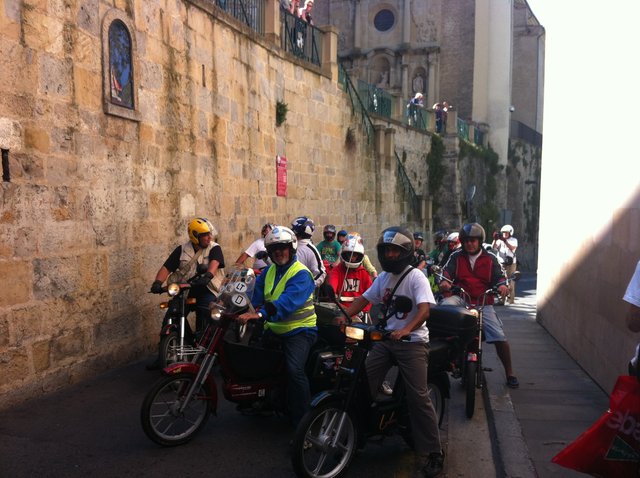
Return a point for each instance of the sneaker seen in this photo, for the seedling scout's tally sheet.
(434, 465)
(386, 388)
(512, 382)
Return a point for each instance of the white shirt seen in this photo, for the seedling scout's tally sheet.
(504, 251)
(310, 257)
(415, 286)
(255, 247)
(632, 295)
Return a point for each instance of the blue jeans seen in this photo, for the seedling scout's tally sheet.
(296, 351)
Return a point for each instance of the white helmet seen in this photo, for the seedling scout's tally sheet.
(507, 228)
(352, 252)
(453, 237)
(280, 235)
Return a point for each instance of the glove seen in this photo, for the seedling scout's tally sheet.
(156, 287)
(203, 280)
(270, 309)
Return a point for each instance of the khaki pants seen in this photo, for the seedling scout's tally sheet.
(512, 284)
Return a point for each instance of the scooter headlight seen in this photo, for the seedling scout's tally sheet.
(173, 289)
(474, 312)
(355, 333)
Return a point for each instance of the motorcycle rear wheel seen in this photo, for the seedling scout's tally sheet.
(470, 377)
(320, 448)
(161, 419)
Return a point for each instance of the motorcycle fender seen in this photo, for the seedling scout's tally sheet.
(167, 329)
(210, 384)
(325, 396)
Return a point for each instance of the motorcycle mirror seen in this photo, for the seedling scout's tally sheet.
(403, 303)
(515, 276)
(202, 268)
(325, 291)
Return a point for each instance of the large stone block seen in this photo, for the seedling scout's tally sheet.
(37, 138)
(17, 283)
(14, 364)
(87, 88)
(68, 347)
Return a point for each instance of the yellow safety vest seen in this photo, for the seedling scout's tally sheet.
(305, 316)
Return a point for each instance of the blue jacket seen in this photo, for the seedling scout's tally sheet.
(295, 294)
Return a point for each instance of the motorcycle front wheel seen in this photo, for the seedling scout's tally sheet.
(169, 348)
(470, 376)
(324, 443)
(162, 420)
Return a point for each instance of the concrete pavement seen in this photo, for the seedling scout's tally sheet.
(556, 400)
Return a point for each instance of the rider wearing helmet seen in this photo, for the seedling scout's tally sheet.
(182, 263)
(366, 262)
(395, 253)
(505, 245)
(329, 248)
(452, 244)
(349, 279)
(342, 236)
(420, 258)
(257, 251)
(283, 297)
(440, 242)
(307, 253)
(476, 270)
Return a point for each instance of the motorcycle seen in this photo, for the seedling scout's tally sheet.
(254, 377)
(177, 338)
(456, 339)
(341, 420)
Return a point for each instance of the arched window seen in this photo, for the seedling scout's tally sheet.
(119, 60)
(120, 65)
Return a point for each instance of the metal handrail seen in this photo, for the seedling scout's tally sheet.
(410, 192)
(378, 100)
(357, 106)
(249, 12)
(300, 38)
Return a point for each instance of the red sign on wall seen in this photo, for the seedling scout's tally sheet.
(281, 176)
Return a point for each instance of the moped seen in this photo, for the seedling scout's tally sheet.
(460, 328)
(253, 376)
(342, 419)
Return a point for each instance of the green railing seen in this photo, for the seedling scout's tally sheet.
(410, 194)
(463, 129)
(417, 116)
(300, 38)
(357, 106)
(249, 12)
(377, 100)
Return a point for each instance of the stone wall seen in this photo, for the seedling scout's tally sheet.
(96, 201)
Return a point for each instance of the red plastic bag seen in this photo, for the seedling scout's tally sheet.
(611, 446)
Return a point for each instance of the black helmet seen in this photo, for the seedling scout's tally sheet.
(440, 236)
(418, 236)
(397, 236)
(329, 230)
(472, 230)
